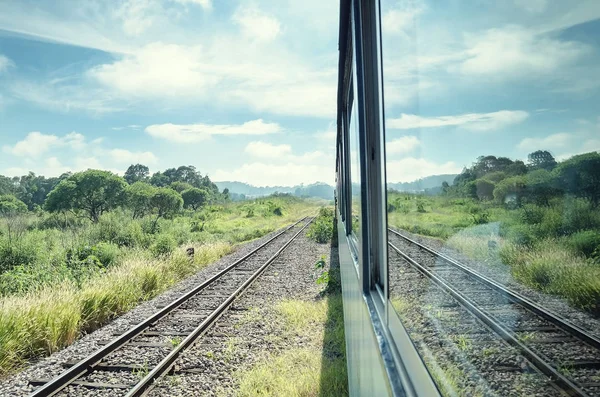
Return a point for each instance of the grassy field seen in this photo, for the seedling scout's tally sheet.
(62, 276)
(552, 248)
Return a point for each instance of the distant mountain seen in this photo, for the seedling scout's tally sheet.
(241, 190)
(429, 182)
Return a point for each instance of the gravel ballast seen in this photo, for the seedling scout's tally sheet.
(18, 384)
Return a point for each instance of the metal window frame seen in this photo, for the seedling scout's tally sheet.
(406, 371)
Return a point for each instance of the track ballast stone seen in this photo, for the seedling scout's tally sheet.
(251, 330)
(49, 367)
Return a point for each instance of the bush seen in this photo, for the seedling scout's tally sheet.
(12, 255)
(164, 245)
(107, 253)
(584, 243)
(321, 230)
(532, 214)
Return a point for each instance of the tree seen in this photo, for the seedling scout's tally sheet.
(179, 187)
(226, 195)
(6, 185)
(485, 189)
(33, 190)
(166, 202)
(10, 205)
(136, 173)
(541, 159)
(580, 176)
(93, 192)
(540, 186)
(139, 198)
(516, 168)
(510, 190)
(194, 198)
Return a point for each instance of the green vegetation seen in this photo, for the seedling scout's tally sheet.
(316, 366)
(321, 230)
(316, 369)
(100, 246)
(540, 219)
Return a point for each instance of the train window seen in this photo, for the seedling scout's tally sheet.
(355, 177)
(493, 176)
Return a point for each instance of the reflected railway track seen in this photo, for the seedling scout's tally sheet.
(498, 307)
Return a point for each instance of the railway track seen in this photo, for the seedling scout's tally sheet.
(554, 346)
(131, 363)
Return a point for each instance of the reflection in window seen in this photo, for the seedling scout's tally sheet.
(355, 166)
(492, 138)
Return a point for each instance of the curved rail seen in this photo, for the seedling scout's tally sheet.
(87, 365)
(515, 297)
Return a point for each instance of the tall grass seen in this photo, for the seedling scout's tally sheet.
(553, 248)
(49, 319)
(61, 276)
(316, 369)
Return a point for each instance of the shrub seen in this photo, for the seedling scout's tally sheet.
(532, 214)
(107, 253)
(164, 245)
(15, 255)
(584, 243)
(321, 230)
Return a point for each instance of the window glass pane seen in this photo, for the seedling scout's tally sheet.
(355, 168)
(492, 138)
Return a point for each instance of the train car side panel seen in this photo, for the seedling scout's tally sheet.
(366, 369)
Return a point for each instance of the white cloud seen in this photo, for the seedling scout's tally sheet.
(130, 127)
(256, 24)
(205, 4)
(175, 73)
(280, 166)
(289, 174)
(533, 6)
(471, 121)
(516, 51)
(74, 140)
(410, 169)
(71, 152)
(158, 69)
(5, 63)
(34, 144)
(551, 142)
(136, 16)
(402, 145)
(123, 156)
(188, 133)
(396, 21)
(267, 150)
(37, 143)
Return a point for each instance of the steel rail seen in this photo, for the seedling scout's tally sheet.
(167, 363)
(515, 297)
(556, 377)
(86, 365)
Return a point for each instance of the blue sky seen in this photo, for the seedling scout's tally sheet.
(469, 78)
(246, 90)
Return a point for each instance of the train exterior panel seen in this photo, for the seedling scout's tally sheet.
(381, 357)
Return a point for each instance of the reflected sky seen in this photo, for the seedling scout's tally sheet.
(470, 78)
